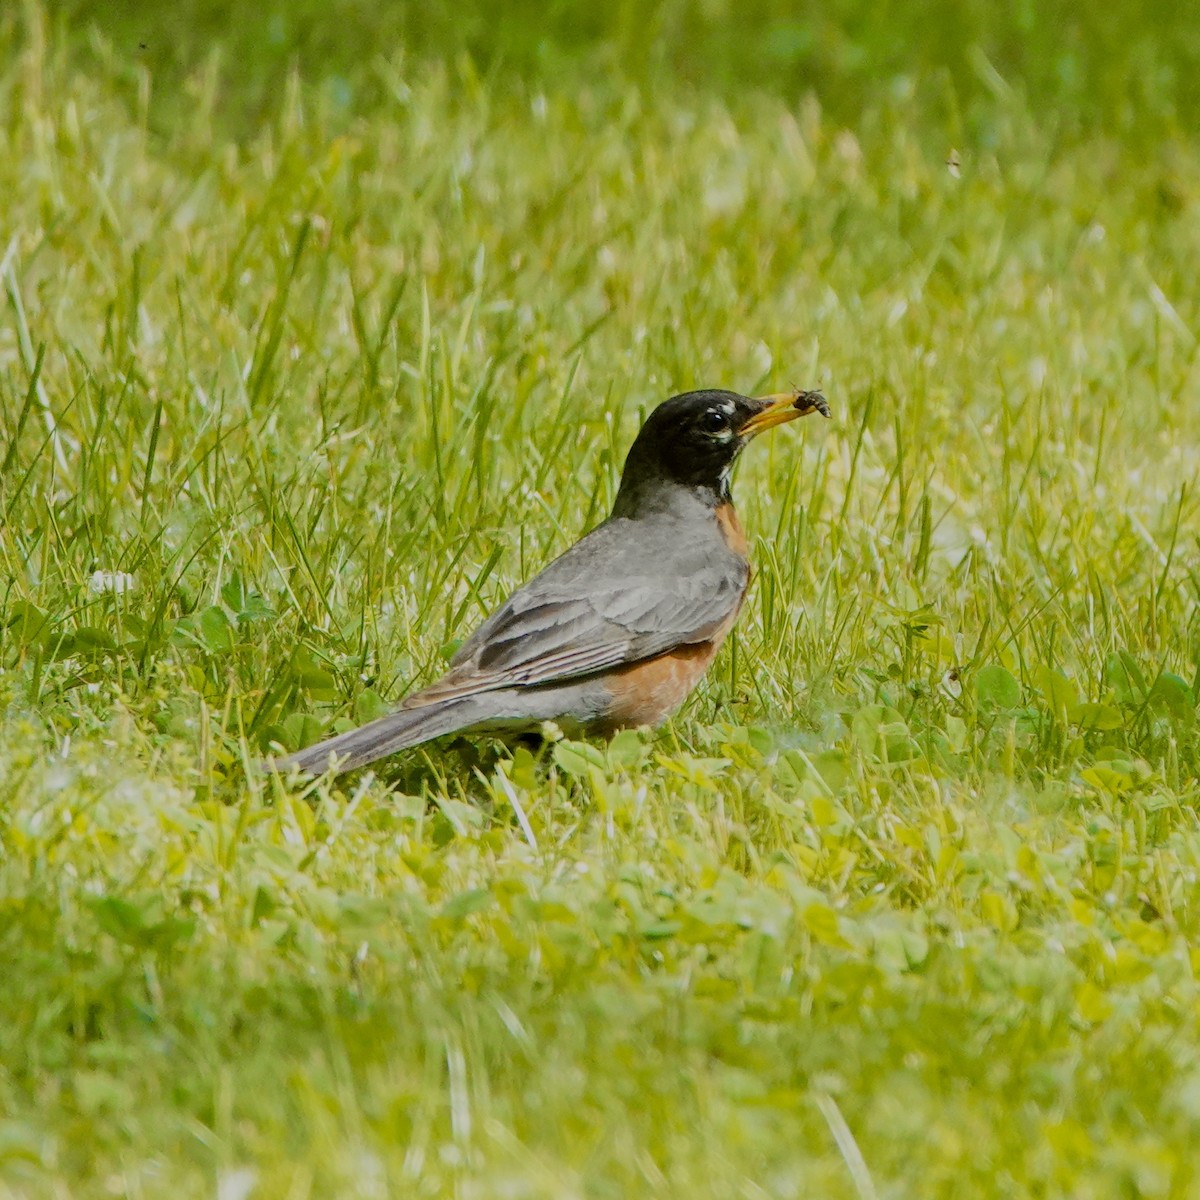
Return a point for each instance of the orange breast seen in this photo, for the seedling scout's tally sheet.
(647, 693)
(731, 528)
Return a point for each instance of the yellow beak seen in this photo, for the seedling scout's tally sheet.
(784, 406)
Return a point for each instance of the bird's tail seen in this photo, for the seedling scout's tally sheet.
(397, 731)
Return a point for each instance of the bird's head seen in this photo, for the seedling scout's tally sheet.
(693, 439)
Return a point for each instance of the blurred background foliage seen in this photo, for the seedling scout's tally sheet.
(1131, 70)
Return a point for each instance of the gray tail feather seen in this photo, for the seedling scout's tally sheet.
(397, 731)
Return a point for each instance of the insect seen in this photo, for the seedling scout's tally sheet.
(810, 401)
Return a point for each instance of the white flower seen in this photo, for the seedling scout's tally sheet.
(111, 581)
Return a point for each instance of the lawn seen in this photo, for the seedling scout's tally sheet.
(323, 327)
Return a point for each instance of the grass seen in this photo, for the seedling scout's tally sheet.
(904, 902)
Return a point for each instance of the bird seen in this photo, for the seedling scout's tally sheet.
(618, 630)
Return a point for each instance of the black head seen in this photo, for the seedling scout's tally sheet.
(693, 439)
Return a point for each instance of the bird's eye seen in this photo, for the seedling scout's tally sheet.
(714, 421)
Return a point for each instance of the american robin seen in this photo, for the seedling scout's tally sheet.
(619, 629)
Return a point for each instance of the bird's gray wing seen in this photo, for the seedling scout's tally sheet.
(621, 594)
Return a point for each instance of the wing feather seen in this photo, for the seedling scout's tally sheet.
(657, 592)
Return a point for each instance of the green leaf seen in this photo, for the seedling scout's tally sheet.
(1125, 677)
(214, 630)
(900, 949)
(1173, 694)
(956, 734)
(1060, 691)
(574, 758)
(245, 604)
(233, 593)
(996, 689)
(998, 910)
(882, 733)
(822, 922)
(791, 770)
(627, 749)
(27, 623)
(1094, 716)
(310, 676)
(118, 917)
(141, 923)
(359, 915)
(465, 903)
(864, 727)
(1107, 778)
(264, 904)
(833, 767)
(300, 730)
(92, 642)
(703, 772)
(369, 706)
(1093, 1004)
